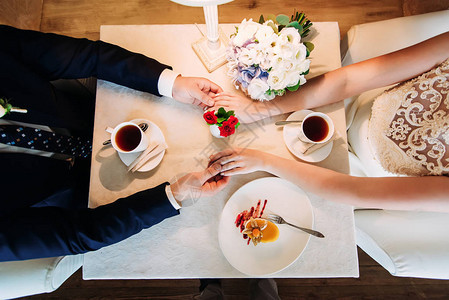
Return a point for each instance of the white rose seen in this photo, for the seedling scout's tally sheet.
(285, 49)
(268, 22)
(303, 66)
(302, 79)
(289, 65)
(292, 78)
(257, 88)
(276, 61)
(301, 52)
(291, 34)
(233, 71)
(265, 64)
(247, 56)
(262, 54)
(246, 31)
(277, 79)
(264, 33)
(2, 111)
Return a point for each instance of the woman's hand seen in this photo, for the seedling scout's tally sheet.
(246, 109)
(239, 161)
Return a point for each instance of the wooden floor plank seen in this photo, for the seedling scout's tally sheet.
(374, 283)
(83, 18)
(24, 14)
(416, 7)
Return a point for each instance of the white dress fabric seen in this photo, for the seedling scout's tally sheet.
(406, 243)
(408, 131)
(405, 131)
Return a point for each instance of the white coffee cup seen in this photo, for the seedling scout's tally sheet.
(316, 128)
(128, 137)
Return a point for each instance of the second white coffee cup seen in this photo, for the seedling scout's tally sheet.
(128, 137)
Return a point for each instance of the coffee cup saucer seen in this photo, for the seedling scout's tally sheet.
(153, 133)
(292, 141)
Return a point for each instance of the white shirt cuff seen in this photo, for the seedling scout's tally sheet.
(171, 198)
(166, 81)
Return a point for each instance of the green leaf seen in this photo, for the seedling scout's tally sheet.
(237, 125)
(274, 27)
(229, 114)
(221, 113)
(279, 92)
(296, 25)
(301, 18)
(8, 108)
(271, 17)
(293, 88)
(282, 20)
(294, 16)
(220, 120)
(261, 19)
(306, 29)
(310, 46)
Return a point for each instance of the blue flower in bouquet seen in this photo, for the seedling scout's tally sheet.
(267, 58)
(246, 75)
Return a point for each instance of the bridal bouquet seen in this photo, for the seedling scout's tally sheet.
(267, 58)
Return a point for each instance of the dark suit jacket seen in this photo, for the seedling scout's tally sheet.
(42, 200)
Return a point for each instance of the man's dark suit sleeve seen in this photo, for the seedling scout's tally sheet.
(52, 231)
(49, 231)
(56, 56)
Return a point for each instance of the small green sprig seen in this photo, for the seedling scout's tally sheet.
(223, 115)
(6, 108)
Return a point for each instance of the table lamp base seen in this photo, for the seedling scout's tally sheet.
(211, 58)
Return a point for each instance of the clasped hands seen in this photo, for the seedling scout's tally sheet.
(208, 95)
(215, 177)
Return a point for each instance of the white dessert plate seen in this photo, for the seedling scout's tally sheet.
(292, 141)
(285, 199)
(153, 133)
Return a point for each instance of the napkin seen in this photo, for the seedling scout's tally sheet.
(308, 148)
(153, 149)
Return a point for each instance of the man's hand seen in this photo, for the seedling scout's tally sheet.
(195, 90)
(199, 184)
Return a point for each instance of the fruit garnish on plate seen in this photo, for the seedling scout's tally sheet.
(261, 230)
(254, 227)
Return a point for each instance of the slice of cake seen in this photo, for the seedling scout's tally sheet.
(261, 230)
(254, 227)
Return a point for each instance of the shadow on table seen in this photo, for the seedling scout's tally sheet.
(114, 174)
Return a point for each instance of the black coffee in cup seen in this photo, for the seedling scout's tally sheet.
(315, 128)
(128, 138)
